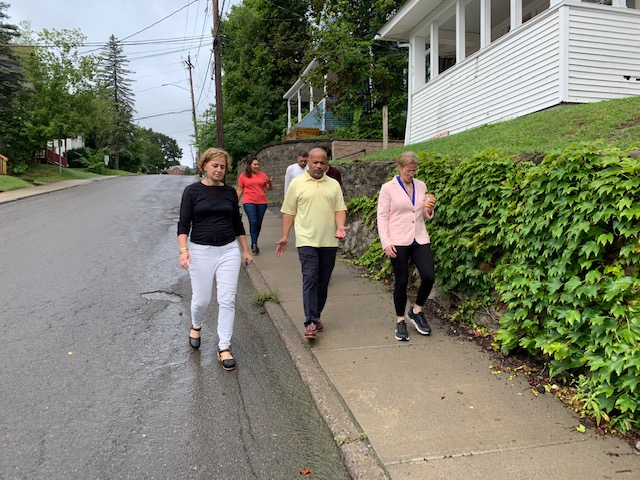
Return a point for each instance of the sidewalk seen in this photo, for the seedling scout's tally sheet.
(427, 409)
(12, 195)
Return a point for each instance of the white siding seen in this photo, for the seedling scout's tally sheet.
(516, 75)
(604, 47)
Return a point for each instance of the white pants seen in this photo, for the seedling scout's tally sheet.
(223, 263)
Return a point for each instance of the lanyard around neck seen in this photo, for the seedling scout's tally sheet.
(413, 190)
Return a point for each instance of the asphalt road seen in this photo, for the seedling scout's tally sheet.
(98, 379)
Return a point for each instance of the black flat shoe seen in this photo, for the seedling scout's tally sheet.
(194, 337)
(228, 363)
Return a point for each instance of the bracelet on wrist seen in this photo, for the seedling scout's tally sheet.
(183, 250)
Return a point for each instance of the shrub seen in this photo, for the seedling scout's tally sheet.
(79, 157)
(558, 243)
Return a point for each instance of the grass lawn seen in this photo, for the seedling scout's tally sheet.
(7, 182)
(39, 174)
(615, 122)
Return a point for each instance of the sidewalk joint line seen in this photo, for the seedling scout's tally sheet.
(482, 452)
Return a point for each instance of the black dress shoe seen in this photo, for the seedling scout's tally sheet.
(193, 340)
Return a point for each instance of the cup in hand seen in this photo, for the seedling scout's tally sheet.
(429, 200)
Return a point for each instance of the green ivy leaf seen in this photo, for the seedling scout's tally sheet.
(572, 284)
(590, 248)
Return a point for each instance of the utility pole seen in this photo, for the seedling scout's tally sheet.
(193, 104)
(385, 127)
(217, 71)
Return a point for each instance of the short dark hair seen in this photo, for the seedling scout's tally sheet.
(303, 153)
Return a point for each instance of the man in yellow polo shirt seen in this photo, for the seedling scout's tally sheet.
(315, 205)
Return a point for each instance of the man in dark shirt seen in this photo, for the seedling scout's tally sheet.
(334, 173)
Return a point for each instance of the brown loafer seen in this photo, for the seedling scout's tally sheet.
(194, 338)
(227, 363)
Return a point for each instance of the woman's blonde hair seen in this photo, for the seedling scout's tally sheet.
(211, 153)
(407, 158)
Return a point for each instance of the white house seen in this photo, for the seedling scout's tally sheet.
(473, 62)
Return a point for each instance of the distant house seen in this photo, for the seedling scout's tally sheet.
(311, 108)
(176, 170)
(56, 151)
(3, 164)
(473, 62)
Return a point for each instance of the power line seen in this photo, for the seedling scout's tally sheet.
(152, 41)
(186, 24)
(159, 21)
(285, 9)
(161, 114)
(164, 52)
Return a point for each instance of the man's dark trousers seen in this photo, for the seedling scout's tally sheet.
(317, 265)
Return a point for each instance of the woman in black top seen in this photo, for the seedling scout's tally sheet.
(210, 216)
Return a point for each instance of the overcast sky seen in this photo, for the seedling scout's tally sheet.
(156, 55)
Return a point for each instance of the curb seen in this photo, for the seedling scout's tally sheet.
(359, 457)
(20, 193)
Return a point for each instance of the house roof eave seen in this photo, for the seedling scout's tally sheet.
(398, 28)
(291, 93)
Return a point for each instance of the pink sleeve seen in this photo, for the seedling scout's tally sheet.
(384, 204)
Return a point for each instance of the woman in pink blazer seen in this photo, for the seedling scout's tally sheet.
(402, 209)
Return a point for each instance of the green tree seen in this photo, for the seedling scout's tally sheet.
(10, 80)
(263, 52)
(365, 74)
(56, 104)
(100, 133)
(171, 152)
(113, 77)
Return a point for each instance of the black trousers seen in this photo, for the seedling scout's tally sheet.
(422, 258)
(317, 266)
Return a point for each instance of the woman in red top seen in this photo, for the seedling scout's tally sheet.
(252, 184)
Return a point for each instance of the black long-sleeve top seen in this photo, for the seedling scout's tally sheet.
(210, 215)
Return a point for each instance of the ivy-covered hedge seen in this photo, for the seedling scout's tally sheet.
(558, 244)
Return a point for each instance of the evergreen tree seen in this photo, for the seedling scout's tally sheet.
(10, 79)
(113, 77)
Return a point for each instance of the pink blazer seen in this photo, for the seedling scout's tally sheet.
(399, 221)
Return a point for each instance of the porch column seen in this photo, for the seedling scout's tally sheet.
(310, 98)
(299, 106)
(485, 23)
(288, 114)
(435, 54)
(516, 13)
(461, 25)
(324, 105)
(417, 62)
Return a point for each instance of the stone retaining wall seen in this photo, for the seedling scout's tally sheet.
(358, 178)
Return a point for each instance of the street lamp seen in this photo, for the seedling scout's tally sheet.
(173, 84)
